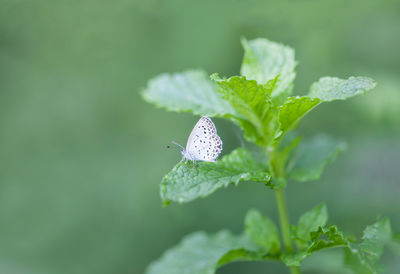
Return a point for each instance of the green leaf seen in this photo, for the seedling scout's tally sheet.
(243, 254)
(293, 110)
(262, 231)
(202, 254)
(352, 262)
(312, 156)
(326, 238)
(264, 60)
(321, 239)
(374, 238)
(190, 91)
(287, 145)
(331, 88)
(362, 257)
(293, 259)
(325, 90)
(310, 221)
(251, 100)
(186, 182)
(370, 249)
(277, 183)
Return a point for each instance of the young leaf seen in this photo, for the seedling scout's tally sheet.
(311, 220)
(331, 88)
(321, 239)
(361, 257)
(251, 100)
(202, 253)
(262, 231)
(326, 238)
(293, 110)
(312, 156)
(370, 249)
(186, 182)
(264, 60)
(190, 91)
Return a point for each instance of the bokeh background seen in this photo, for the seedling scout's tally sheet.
(81, 154)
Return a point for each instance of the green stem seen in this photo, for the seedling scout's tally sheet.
(284, 221)
(277, 172)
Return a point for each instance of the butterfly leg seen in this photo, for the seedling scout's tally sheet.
(188, 162)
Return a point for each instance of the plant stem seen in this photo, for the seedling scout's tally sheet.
(284, 221)
(277, 170)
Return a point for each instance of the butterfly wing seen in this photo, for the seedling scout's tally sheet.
(204, 144)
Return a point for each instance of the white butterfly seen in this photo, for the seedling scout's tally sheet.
(203, 144)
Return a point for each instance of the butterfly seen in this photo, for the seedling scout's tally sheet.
(203, 144)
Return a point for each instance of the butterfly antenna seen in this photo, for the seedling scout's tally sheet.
(178, 145)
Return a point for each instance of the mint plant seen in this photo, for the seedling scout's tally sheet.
(259, 101)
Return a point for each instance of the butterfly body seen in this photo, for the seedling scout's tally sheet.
(203, 144)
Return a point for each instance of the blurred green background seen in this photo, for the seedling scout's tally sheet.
(82, 154)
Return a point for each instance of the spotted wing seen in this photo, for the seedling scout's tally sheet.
(204, 144)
